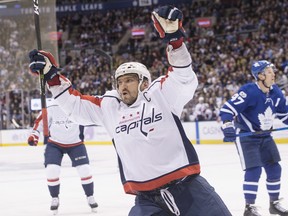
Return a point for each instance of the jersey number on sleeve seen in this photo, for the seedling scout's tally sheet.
(237, 99)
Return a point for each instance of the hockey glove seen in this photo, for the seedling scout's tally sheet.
(42, 60)
(33, 140)
(167, 21)
(229, 132)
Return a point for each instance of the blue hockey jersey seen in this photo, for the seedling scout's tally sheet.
(253, 110)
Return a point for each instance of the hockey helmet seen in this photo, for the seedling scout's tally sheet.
(133, 68)
(259, 67)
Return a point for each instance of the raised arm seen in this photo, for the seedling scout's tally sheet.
(77, 106)
(180, 83)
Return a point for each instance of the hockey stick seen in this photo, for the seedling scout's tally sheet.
(260, 132)
(41, 75)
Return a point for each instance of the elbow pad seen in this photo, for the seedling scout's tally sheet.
(179, 57)
(56, 90)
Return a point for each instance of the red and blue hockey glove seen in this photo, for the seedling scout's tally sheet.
(42, 60)
(167, 21)
(33, 140)
(228, 130)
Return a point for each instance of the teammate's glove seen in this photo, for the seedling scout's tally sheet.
(229, 132)
(33, 140)
(167, 21)
(42, 60)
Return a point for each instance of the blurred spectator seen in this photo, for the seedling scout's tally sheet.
(222, 53)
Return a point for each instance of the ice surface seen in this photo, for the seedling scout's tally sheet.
(23, 188)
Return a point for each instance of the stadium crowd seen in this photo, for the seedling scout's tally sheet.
(222, 53)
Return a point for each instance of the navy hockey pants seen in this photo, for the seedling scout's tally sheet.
(193, 196)
(54, 154)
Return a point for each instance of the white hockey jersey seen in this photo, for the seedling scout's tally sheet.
(148, 136)
(62, 131)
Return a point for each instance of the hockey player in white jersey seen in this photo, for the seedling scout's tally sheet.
(157, 162)
(65, 137)
(253, 109)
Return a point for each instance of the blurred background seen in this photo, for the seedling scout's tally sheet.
(91, 38)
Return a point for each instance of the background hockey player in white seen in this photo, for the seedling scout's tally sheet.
(65, 137)
(157, 162)
(253, 108)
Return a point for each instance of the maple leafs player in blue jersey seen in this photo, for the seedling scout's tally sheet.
(253, 108)
(157, 162)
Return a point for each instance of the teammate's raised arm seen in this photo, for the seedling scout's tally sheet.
(42, 60)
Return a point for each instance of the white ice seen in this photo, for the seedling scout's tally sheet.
(23, 189)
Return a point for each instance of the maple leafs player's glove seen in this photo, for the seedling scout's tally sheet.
(33, 140)
(42, 60)
(229, 132)
(167, 21)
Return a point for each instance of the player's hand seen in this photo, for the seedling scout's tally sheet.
(33, 140)
(229, 132)
(42, 60)
(167, 21)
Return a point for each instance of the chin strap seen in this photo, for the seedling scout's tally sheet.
(263, 82)
(139, 85)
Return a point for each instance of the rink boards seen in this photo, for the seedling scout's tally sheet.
(205, 132)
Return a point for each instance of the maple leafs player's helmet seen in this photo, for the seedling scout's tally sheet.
(259, 67)
(133, 68)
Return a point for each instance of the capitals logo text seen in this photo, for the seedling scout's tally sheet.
(139, 123)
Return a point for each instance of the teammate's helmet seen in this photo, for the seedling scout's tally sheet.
(259, 66)
(133, 68)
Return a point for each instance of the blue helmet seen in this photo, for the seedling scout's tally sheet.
(259, 66)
